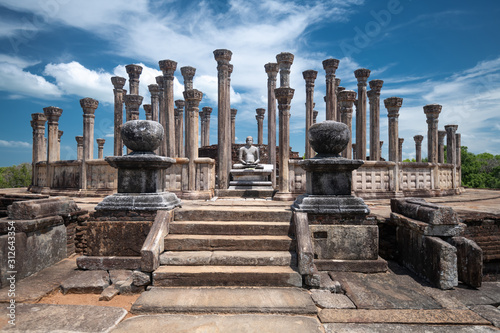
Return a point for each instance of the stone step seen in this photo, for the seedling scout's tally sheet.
(229, 258)
(255, 276)
(186, 242)
(236, 213)
(230, 228)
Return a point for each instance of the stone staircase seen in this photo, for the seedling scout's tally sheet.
(229, 246)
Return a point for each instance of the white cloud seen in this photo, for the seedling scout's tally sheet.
(14, 144)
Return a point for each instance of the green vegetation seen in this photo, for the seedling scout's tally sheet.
(15, 176)
(481, 170)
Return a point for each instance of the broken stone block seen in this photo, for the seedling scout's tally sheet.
(127, 287)
(327, 300)
(108, 293)
(86, 282)
(469, 261)
(32, 209)
(327, 283)
(419, 209)
(141, 279)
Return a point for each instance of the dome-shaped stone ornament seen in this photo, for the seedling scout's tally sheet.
(142, 135)
(328, 138)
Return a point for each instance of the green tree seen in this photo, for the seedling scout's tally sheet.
(15, 176)
(480, 171)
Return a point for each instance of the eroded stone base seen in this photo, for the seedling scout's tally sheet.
(139, 201)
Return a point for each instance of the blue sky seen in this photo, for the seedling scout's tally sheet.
(56, 52)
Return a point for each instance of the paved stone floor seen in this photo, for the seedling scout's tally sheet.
(395, 301)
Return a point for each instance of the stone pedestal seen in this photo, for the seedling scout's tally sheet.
(341, 236)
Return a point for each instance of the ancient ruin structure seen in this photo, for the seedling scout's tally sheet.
(193, 176)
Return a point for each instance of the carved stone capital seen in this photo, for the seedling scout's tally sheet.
(452, 128)
(432, 111)
(207, 110)
(418, 139)
(400, 141)
(188, 72)
(52, 113)
(180, 103)
(362, 75)
(230, 68)
(79, 140)
(193, 97)
(233, 113)
(118, 82)
(168, 68)
(149, 110)
(154, 89)
(133, 71)
(89, 105)
(100, 142)
(340, 89)
(160, 80)
(393, 102)
(310, 75)
(330, 66)
(441, 136)
(376, 85)
(284, 95)
(132, 102)
(284, 58)
(272, 69)
(337, 82)
(38, 120)
(260, 113)
(222, 55)
(347, 96)
(60, 134)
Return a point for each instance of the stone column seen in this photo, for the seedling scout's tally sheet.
(374, 97)
(223, 57)
(272, 72)
(202, 127)
(59, 135)
(310, 76)
(284, 96)
(400, 149)
(361, 75)
(187, 73)
(339, 116)
(441, 136)
(233, 125)
(330, 66)
(207, 111)
(432, 112)
(154, 90)
(193, 98)
(100, 148)
(38, 125)
(418, 147)
(132, 104)
(346, 99)
(285, 61)
(393, 104)
(315, 115)
(38, 153)
(354, 151)
(118, 83)
(133, 71)
(79, 147)
(88, 105)
(458, 139)
(52, 114)
(148, 109)
(179, 127)
(168, 68)
(337, 85)
(381, 145)
(451, 143)
(260, 125)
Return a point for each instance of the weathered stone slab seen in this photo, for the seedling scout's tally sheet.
(327, 283)
(112, 238)
(489, 312)
(346, 242)
(29, 225)
(424, 228)
(86, 282)
(108, 263)
(108, 293)
(119, 275)
(32, 209)
(469, 261)
(419, 209)
(141, 279)
(384, 291)
(34, 251)
(361, 266)
(489, 293)
(225, 300)
(127, 287)
(248, 323)
(63, 318)
(34, 287)
(327, 300)
(402, 316)
(390, 328)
